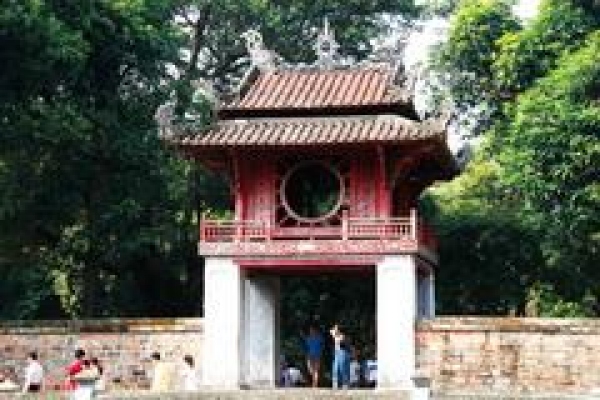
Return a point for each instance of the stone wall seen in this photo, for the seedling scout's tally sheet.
(510, 354)
(123, 346)
(458, 353)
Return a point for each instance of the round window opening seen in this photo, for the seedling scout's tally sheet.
(312, 191)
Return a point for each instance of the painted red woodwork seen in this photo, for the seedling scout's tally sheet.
(376, 216)
(357, 122)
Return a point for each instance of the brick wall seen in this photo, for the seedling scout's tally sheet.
(511, 354)
(498, 354)
(123, 346)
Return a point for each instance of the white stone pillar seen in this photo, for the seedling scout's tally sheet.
(396, 314)
(223, 294)
(261, 332)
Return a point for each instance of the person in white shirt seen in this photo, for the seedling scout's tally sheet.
(100, 384)
(189, 374)
(34, 374)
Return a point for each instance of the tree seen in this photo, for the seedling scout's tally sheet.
(87, 190)
(95, 214)
(542, 80)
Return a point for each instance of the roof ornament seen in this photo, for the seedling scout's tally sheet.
(260, 57)
(326, 46)
(164, 117)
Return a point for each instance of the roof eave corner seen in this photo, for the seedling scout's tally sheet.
(251, 75)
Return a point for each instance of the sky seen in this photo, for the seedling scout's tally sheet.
(526, 9)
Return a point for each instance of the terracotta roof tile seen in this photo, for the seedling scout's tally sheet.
(307, 131)
(310, 88)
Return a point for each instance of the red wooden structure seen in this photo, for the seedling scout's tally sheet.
(324, 163)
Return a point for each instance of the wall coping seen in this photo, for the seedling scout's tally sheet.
(582, 326)
(101, 325)
(572, 326)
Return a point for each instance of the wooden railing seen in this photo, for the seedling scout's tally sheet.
(399, 228)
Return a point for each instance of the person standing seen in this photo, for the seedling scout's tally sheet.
(34, 374)
(340, 374)
(313, 347)
(161, 378)
(100, 384)
(86, 382)
(189, 374)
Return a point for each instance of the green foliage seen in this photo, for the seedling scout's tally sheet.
(469, 55)
(551, 151)
(96, 216)
(287, 27)
(530, 53)
(489, 255)
(88, 194)
(544, 80)
(543, 301)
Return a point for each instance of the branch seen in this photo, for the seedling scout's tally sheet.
(198, 35)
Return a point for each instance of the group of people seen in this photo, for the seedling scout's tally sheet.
(84, 377)
(348, 369)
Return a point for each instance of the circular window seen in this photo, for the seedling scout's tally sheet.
(312, 191)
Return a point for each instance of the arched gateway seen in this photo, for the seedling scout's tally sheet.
(326, 163)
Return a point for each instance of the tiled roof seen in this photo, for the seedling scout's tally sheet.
(312, 88)
(307, 131)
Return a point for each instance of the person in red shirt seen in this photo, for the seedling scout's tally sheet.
(74, 368)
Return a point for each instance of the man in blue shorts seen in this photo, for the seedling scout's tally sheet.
(313, 348)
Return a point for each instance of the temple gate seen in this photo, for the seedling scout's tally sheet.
(326, 162)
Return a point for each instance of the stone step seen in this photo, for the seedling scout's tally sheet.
(273, 394)
(305, 394)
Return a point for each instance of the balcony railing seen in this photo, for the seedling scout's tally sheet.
(410, 230)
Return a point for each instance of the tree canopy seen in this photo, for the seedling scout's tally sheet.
(542, 80)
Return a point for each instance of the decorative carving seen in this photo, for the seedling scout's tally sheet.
(300, 248)
(206, 90)
(261, 57)
(326, 46)
(164, 116)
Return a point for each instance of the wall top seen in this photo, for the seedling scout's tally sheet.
(103, 325)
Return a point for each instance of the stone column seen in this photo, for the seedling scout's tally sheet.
(223, 294)
(429, 285)
(426, 296)
(396, 314)
(261, 332)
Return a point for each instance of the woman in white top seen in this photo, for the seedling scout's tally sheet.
(34, 374)
(189, 374)
(100, 384)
